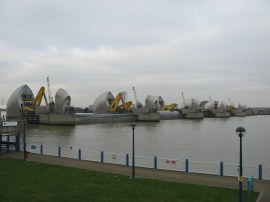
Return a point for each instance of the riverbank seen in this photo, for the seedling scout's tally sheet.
(200, 179)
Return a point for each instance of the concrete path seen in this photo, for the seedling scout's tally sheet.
(202, 179)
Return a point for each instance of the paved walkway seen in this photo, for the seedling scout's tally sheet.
(201, 179)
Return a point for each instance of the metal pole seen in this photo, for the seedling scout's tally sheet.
(41, 149)
(1, 142)
(7, 143)
(186, 166)
(80, 154)
(133, 151)
(221, 169)
(127, 160)
(155, 163)
(240, 132)
(133, 155)
(17, 142)
(24, 142)
(240, 172)
(260, 172)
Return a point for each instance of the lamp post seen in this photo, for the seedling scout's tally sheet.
(133, 151)
(24, 142)
(240, 132)
(23, 119)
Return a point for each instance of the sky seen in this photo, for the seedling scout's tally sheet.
(203, 48)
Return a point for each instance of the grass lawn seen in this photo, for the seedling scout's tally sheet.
(31, 181)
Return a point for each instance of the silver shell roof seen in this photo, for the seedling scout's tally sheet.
(17, 99)
(193, 103)
(62, 100)
(154, 102)
(102, 103)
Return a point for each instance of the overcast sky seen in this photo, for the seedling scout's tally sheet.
(162, 47)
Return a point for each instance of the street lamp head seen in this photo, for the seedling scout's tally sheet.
(133, 125)
(240, 131)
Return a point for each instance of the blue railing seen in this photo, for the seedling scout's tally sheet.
(186, 165)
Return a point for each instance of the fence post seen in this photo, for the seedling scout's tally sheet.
(8, 143)
(59, 151)
(17, 143)
(41, 149)
(80, 154)
(250, 186)
(221, 169)
(0, 142)
(155, 163)
(186, 166)
(102, 157)
(260, 172)
(127, 160)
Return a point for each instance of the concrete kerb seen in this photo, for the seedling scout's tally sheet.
(259, 199)
(192, 178)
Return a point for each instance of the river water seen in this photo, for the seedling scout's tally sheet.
(210, 139)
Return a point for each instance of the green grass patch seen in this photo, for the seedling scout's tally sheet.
(32, 181)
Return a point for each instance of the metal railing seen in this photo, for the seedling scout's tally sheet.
(184, 165)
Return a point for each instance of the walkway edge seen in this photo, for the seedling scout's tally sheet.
(259, 199)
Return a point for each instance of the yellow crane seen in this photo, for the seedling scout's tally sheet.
(37, 100)
(170, 107)
(126, 106)
(115, 107)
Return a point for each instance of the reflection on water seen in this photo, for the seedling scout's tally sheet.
(209, 139)
(50, 135)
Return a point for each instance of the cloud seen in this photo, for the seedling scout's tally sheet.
(161, 47)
